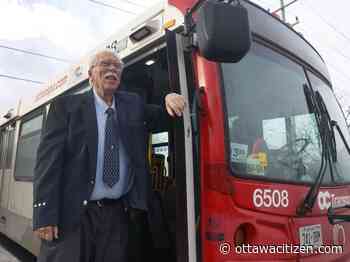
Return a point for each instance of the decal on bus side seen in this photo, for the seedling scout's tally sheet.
(339, 236)
(118, 46)
(239, 153)
(324, 200)
(311, 235)
(270, 198)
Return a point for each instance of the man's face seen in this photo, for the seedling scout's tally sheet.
(106, 73)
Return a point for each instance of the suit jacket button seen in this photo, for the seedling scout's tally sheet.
(92, 182)
(85, 202)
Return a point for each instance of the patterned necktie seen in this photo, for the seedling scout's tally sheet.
(111, 152)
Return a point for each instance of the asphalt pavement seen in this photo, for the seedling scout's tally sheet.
(5, 256)
(11, 252)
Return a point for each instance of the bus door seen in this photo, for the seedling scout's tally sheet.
(6, 168)
(152, 74)
(2, 165)
(181, 75)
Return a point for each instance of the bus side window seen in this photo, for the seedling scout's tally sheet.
(79, 89)
(9, 149)
(28, 142)
(2, 136)
(160, 145)
(159, 161)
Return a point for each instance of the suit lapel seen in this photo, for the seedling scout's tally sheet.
(90, 122)
(121, 107)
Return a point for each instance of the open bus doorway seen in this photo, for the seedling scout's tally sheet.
(155, 236)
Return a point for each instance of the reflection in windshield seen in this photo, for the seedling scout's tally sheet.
(302, 154)
(272, 133)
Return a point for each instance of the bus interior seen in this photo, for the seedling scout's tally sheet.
(149, 78)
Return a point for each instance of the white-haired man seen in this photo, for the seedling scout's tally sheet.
(91, 167)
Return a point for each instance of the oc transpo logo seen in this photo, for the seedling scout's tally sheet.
(324, 200)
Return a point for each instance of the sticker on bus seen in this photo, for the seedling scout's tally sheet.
(310, 235)
(254, 167)
(239, 153)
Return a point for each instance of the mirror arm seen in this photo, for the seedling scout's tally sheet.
(189, 25)
(338, 218)
(195, 7)
(334, 219)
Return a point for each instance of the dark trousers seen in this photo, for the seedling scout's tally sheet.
(101, 237)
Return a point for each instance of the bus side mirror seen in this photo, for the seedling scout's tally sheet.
(223, 31)
(334, 219)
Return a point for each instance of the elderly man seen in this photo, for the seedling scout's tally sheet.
(91, 168)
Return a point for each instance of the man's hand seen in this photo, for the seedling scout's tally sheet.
(175, 104)
(47, 233)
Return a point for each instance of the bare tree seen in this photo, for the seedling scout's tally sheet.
(347, 116)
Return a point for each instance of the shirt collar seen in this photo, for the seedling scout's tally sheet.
(101, 104)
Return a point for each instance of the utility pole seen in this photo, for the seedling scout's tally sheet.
(282, 9)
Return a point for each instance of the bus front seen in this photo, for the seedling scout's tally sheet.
(273, 150)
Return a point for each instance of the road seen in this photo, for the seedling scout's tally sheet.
(11, 252)
(6, 256)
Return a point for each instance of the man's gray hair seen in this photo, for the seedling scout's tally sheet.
(94, 59)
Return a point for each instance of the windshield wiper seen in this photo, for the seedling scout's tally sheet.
(317, 106)
(335, 124)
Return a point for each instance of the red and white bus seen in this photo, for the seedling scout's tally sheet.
(258, 168)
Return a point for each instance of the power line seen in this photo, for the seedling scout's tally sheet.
(336, 50)
(328, 23)
(262, 2)
(34, 53)
(347, 118)
(133, 3)
(339, 71)
(20, 79)
(284, 6)
(328, 46)
(111, 6)
(331, 47)
(335, 68)
(332, 66)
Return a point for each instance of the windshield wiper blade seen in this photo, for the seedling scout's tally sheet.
(335, 124)
(329, 126)
(329, 153)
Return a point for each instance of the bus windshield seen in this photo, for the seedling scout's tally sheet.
(272, 133)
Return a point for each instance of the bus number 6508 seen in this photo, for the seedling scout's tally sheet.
(270, 198)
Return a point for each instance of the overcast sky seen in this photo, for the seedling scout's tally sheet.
(68, 29)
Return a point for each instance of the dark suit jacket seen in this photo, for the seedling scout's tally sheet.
(65, 170)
